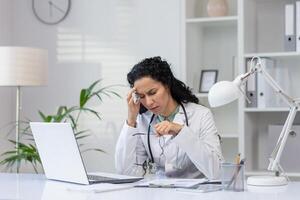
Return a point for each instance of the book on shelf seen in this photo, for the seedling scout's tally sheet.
(266, 96)
(251, 89)
(298, 26)
(289, 32)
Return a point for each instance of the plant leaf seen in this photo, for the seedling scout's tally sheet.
(42, 115)
(93, 149)
(93, 112)
(83, 97)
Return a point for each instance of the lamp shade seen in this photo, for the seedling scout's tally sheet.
(23, 66)
(222, 93)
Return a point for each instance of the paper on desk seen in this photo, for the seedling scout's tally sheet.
(101, 187)
(172, 183)
(201, 188)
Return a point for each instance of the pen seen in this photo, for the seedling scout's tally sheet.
(112, 189)
(233, 179)
(242, 162)
(211, 182)
(237, 159)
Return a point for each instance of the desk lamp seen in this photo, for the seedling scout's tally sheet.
(22, 66)
(224, 92)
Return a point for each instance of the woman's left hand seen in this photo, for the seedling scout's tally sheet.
(167, 128)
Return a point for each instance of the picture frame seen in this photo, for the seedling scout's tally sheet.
(207, 79)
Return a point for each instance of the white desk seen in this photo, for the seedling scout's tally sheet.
(33, 187)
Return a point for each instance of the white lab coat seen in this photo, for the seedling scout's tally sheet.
(195, 151)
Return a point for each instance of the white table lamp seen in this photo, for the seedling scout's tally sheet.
(225, 92)
(22, 66)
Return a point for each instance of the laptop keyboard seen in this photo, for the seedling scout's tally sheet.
(99, 178)
(104, 179)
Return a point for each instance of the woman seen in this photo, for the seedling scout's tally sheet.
(166, 130)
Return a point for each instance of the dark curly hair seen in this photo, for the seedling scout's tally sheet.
(160, 70)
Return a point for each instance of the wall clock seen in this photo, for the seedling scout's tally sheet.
(51, 11)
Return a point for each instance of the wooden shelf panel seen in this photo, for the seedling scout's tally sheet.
(273, 54)
(266, 109)
(213, 21)
(201, 95)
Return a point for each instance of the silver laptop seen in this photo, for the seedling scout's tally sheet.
(61, 158)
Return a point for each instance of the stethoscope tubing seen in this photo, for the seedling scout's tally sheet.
(149, 127)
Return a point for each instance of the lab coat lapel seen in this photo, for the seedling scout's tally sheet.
(179, 117)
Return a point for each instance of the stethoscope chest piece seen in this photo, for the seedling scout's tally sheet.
(152, 167)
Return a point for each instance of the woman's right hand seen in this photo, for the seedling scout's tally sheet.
(133, 108)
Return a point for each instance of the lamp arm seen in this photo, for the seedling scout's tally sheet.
(297, 101)
(276, 154)
(293, 104)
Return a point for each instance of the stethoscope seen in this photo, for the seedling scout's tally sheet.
(151, 163)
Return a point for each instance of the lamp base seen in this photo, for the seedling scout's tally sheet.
(267, 180)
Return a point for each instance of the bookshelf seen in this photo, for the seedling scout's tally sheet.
(212, 43)
(264, 38)
(225, 43)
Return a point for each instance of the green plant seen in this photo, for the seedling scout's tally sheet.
(27, 152)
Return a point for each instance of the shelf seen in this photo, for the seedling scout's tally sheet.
(273, 54)
(213, 21)
(264, 173)
(229, 136)
(266, 109)
(201, 95)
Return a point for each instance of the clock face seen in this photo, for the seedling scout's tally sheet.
(51, 11)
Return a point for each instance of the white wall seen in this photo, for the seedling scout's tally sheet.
(6, 93)
(98, 39)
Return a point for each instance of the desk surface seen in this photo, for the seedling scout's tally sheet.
(33, 187)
